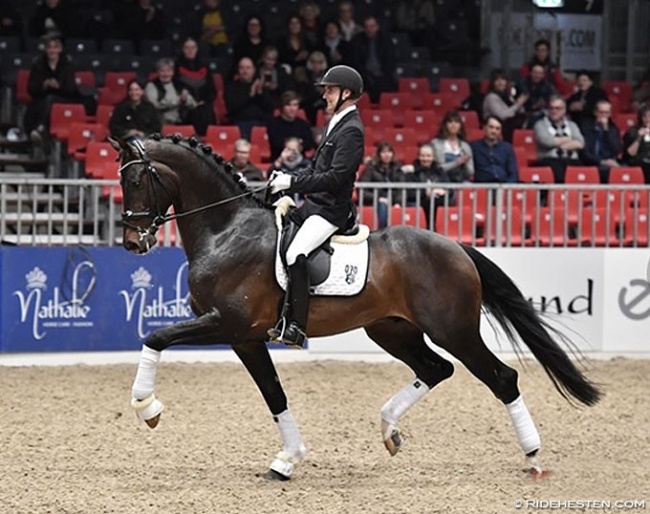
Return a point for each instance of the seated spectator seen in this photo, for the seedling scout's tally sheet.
(558, 139)
(193, 75)
(349, 27)
(51, 80)
(542, 57)
(211, 28)
(11, 23)
(426, 171)
(287, 125)
(602, 141)
(251, 43)
(312, 95)
(494, 159)
(382, 167)
(539, 91)
(637, 143)
(242, 164)
(371, 54)
(499, 103)
(247, 101)
(134, 116)
(334, 46)
(172, 102)
(582, 104)
(274, 77)
(451, 150)
(52, 16)
(293, 47)
(310, 16)
(291, 159)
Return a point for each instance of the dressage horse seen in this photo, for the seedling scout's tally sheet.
(419, 283)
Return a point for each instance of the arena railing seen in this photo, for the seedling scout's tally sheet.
(53, 212)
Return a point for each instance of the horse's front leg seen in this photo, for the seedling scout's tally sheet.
(203, 330)
(257, 360)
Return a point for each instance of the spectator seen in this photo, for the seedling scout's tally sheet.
(494, 159)
(349, 27)
(52, 16)
(247, 101)
(426, 171)
(274, 77)
(252, 42)
(641, 93)
(51, 80)
(417, 19)
(242, 164)
(382, 167)
(194, 76)
(170, 100)
(499, 103)
(451, 149)
(293, 47)
(334, 46)
(312, 95)
(372, 56)
(11, 24)
(310, 17)
(582, 104)
(539, 91)
(558, 139)
(602, 141)
(637, 143)
(211, 26)
(291, 159)
(542, 57)
(287, 124)
(134, 116)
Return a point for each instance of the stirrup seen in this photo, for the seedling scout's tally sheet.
(277, 331)
(290, 334)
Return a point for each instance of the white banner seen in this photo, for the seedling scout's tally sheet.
(580, 36)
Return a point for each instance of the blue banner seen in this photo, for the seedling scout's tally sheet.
(88, 299)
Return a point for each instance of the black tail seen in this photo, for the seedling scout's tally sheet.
(507, 304)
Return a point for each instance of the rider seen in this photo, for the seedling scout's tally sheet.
(328, 184)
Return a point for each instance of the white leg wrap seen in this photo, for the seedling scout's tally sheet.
(293, 449)
(148, 408)
(524, 425)
(402, 401)
(145, 378)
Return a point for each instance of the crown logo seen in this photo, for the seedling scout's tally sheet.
(36, 279)
(141, 278)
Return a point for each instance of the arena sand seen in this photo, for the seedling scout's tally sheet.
(70, 444)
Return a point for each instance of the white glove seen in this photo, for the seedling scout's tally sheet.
(279, 182)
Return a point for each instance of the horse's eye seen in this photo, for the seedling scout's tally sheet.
(137, 184)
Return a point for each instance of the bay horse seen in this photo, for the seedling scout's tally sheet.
(419, 283)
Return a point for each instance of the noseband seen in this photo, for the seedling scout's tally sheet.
(158, 219)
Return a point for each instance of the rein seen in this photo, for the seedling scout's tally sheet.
(159, 219)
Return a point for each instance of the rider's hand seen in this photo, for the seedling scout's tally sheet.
(279, 182)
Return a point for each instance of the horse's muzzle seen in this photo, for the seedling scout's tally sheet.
(138, 243)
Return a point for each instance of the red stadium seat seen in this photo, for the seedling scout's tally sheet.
(597, 227)
(62, 116)
(366, 215)
(80, 135)
(425, 124)
(549, 227)
(108, 96)
(536, 175)
(621, 91)
(85, 78)
(22, 80)
(418, 88)
(470, 120)
(522, 157)
(412, 216)
(636, 228)
(625, 120)
(117, 80)
(260, 138)
(222, 138)
(379, 118)
(582, 175)
(404, 141)
(397, 103)
(524, 138)
(626, 175)
(99, 158)
(183, 130)
(461, 225)
(441, 103)
(476, 199)
(456, 87)
(103, 114)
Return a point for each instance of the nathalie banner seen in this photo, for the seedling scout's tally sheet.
(88, 299)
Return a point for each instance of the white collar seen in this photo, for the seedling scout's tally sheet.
(337, 117)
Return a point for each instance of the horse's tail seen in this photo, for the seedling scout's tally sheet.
(507, 304)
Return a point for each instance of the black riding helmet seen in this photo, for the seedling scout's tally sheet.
(344, 77)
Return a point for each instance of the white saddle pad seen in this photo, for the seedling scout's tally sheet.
(348, 269)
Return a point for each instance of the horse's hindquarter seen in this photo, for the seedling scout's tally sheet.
(412, 273)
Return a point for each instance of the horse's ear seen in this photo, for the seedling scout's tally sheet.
(118, 143)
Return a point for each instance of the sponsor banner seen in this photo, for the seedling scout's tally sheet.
(580, 35)
(78, 299)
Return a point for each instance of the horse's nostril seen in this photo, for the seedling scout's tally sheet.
(131, 246)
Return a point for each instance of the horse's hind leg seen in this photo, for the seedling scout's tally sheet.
(406, 342)
(469, 348)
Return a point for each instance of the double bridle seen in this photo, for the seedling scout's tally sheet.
(158, 219)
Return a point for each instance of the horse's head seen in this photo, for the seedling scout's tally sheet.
(146, 195)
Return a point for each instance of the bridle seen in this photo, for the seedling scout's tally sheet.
(158, 218)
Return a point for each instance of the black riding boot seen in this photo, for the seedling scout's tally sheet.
(292, 332)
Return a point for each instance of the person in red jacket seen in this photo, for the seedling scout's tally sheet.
(542, 56)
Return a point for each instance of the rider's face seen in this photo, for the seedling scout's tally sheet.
(331, 96)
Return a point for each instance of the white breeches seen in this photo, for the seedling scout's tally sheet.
(313, 233)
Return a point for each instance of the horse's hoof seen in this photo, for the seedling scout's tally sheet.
(153, 422)
(537, 473)
(393, 443)
(272, 475)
